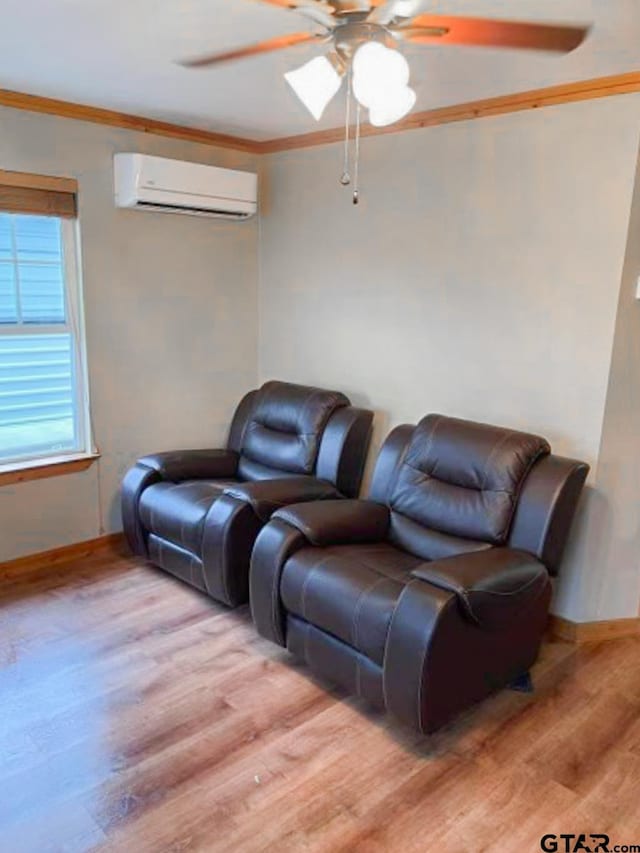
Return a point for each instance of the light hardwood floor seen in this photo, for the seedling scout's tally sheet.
(136, 715)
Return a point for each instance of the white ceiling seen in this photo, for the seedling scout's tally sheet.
(120, 54)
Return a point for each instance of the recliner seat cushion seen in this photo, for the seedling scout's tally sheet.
(286, 425)
(176, 511)
(350, 591)
(464, 478)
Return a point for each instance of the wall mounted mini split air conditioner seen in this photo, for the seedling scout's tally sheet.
(150, 183)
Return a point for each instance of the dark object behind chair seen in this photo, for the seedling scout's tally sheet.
(435, 591)
(196, 513)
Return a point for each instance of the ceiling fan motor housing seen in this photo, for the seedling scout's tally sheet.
(352, 34)
(348, 7)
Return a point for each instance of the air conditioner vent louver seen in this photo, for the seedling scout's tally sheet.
(172, 186)
(193, 211)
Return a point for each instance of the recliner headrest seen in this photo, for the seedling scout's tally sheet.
(463, 478)
(286, 425)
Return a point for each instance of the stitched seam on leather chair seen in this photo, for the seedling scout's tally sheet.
(420, 689)
(395, 474)
(264, 395)
(494, 450)
(322, 427)
(275, 594)
(466, 596)
(151, 523)
(295, 433)
(303, 408)
(467, 605)
(301, 411)
(431, 435)
(358, 608)
(522, 607)
(454, 485)
(507, 594)
(500, 536)
(425, 655)
(557, 496)
(540, 593)
(417, 470)
(305, 584)
(245, 426)
(374, 568)
(223, 579)
(183, 538)
(370, 566)
(307, 634)
(543, 451)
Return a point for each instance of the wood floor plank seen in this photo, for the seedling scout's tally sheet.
(139, 716)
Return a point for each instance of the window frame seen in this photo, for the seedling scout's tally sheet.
(59, 461)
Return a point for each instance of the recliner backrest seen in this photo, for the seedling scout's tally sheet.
(284, 430)
(456, 488)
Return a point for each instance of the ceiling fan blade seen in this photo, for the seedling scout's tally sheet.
(269, 46)
(297, 4)
(385, 12)
(317, 10)
(484, 32)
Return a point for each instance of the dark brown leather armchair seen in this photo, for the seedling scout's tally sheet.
(196, 513)
(434, 592)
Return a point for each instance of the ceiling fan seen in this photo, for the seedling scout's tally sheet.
(347, 25)
(361, 38)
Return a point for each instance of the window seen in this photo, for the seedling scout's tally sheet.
(43, 387)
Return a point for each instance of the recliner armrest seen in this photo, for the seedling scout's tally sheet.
(491, 586)
(192, 464)
(267, 496)
(338, 522)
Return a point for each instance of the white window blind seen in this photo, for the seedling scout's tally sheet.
(43, 389)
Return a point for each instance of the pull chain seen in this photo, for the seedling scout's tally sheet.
(356, 168)
(345, 180)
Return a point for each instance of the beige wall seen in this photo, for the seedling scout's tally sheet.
(171, 317)
(479, 276)
(616, 537)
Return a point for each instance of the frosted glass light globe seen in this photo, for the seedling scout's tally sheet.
(377, 67)
(315, 83)
(394, 106)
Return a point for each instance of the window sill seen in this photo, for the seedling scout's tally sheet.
(40, 469)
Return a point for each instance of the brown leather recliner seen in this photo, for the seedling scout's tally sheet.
(196, 513)
(434, 592)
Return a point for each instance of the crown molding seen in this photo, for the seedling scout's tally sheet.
(583, 90)
(127, 121)
(600, 87)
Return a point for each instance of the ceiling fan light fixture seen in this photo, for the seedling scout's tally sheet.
(315, 83)
(395, 105)
(377, 68)
(405, 8)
